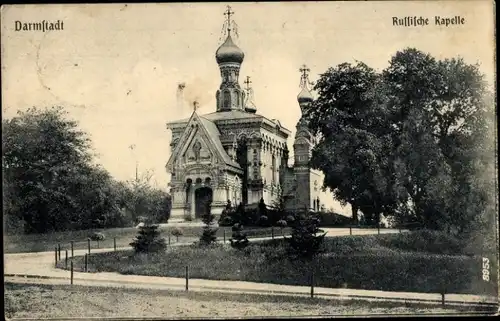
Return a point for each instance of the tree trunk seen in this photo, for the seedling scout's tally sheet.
(354, 210)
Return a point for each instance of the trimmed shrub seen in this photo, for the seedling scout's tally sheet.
(177, 231)
(97, 236)
(282, 223)
(238, 239)
(305, 241)
(263, 221)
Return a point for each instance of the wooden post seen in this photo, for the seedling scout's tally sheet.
(378, 228)
(71, 272)
(114, 243)
(97, 243)
(66, 260)
(55, 252)
(272, 232)
(312, 284)
(59, 251)
(88, 244)
(86, 262)
(224, 233)
(350, 230)
(72, 252)
(442, 298)
(187, 278)
(169, 239)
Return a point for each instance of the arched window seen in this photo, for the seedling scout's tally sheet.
(273, 169)
(227, 99)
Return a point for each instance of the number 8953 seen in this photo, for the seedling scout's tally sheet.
(486, 269)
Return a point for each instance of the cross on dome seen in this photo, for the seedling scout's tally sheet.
(228, 13)
(247, 82)
(304, 78)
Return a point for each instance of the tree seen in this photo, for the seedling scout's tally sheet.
(306, 240)
(47, 167)
(209, 235)
(410, 141)
(350, 120)
(149, 239)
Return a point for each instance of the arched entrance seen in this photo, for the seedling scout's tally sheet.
(202, 196)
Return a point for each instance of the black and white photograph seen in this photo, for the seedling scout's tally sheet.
(249, 160)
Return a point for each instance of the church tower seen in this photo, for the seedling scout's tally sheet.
(229, 57)
(302, 147)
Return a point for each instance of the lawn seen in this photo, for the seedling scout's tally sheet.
(123, 236)
(414, 262)
(40, 301)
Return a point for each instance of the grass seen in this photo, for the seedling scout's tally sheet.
(411, 262)
(51, 301)
(47, 242)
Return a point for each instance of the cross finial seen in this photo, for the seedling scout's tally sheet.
(247, 82)
(304, 77)
(228, 13)
(195, 105)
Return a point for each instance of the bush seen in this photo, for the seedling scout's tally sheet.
(225, 221)
(97, 236)
(263, 221)
(238, 239)
(281, 223)
(148, 240)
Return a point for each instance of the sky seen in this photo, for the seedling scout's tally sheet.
(115, 67)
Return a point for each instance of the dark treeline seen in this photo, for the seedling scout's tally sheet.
(414, 142)
(51, 183)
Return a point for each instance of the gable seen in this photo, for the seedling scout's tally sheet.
(199, 143)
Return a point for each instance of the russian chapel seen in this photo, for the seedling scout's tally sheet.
(237, 155)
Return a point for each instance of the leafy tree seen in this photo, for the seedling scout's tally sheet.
(47, 167)
(410, 141)
(349, 118)
(209, 235)
(306, 240)
(149, 239)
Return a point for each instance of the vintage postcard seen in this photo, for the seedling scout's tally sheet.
(249, 160)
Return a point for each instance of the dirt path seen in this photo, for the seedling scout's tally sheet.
(49, 301)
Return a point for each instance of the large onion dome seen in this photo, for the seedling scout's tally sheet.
(305, 96)
(229, 52)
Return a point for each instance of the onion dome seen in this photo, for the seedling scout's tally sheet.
(305, 96)
(229, 52)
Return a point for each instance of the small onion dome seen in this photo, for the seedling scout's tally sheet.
(229, 52)
(305, 96)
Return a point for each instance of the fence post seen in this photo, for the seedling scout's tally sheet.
(350, 230)
(187, 278)
(59, 251)
(442, 298)
(97, 243)
(55, 252)
(272, 232)
(378, 228)
(224, 233)
(169, 239)
(312, 284)
(72, 252)
(88, 244)
(114, 243)
(66, 260)
(71, 272)
(86, 262)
